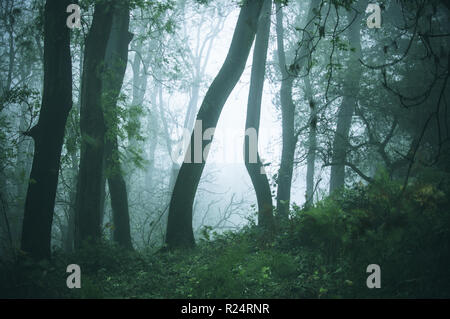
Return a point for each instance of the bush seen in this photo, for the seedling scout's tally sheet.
(405, 232)
(322, 252)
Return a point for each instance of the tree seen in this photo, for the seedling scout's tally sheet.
(289, 137)
(48, 134)
(179, 226)
(88, 211)
(254, 166)
(197, 59)
(116, 62)
(284, 178)
(348, 104)
(312, 143)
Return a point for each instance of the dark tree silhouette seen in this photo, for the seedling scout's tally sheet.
(254, 166)
(48, 134)
(90, 189)
(179, 226)
(116, 63)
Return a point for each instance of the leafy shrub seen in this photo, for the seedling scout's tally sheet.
(406, 232)
(322, 252)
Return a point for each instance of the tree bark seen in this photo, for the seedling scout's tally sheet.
(312, 144)
(289, 141)
(347, 107)
(116, 61)
(22, 172)
(48, 134)
(92, 128)
(70, 229)
(179, 226)
(255, 168)
(287, 109)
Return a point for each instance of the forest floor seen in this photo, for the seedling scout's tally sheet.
(320, 253)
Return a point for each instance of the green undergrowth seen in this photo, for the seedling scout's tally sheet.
(322, 252)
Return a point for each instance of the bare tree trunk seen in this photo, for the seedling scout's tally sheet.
(312, 144)
(174, 170)
(72, 129)
(92, 126)
(179, 226)
(116, 62)
(139, 89)
(153, 126)
(288, 107)
(22, 172)
(69, 238)
(70, 232)
(48, 134)
(284, 179)
(347, 107)
(254, 166)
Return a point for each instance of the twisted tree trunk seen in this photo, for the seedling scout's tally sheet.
(179, 226)
(254, 165)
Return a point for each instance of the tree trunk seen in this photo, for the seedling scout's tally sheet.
(254, 166)
(48, 134)
(312, 144)
(22, 172)
(347, 107)
(287, 109)
(139, 90)
(92, 128)
(153, 128)
(179, 226)
(198, 73)
(70, 231)
(287, 114)
(116, 62)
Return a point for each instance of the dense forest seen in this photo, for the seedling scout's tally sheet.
(224, 149)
